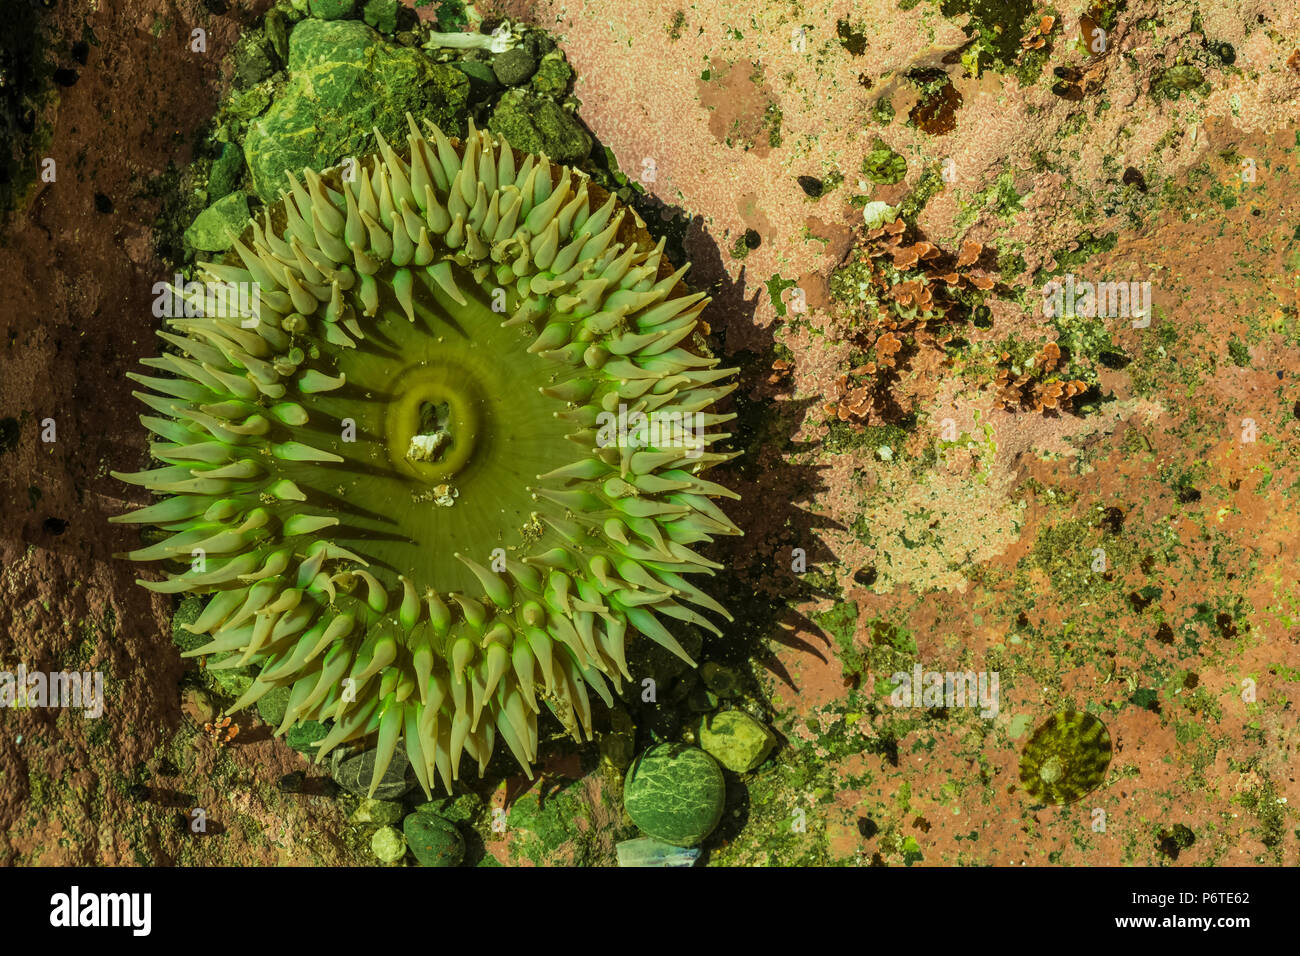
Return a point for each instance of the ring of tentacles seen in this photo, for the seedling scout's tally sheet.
(397, 482)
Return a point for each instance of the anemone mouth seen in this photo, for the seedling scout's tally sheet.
(453, 461)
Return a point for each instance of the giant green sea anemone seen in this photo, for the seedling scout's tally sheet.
(407, 483)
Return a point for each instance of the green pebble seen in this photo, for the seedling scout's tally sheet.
(226, 171)
(216, 228)
(331, 9)
(272, 705)
(381, 14)
(722, 680)
(675, 793)
(187, 613)
(303, 734)
(738, 741)
(553, 75)
(514, 67)
(354, 774)
(388, 844)
(380, 812)
(433, 840)
(536, 124)
(276, 28)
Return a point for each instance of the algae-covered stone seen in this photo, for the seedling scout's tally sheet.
(514, 67)
(675, 793)
(388, 844)
(482, 81)
(214, 229)
(187, 613)
(433, 840)
(254, 59)
(381, 14)
(226, 170)
(738, 741)
(354, 774)
(722, 680)
(331, 9)
(381, 812)
(344, 79)
(536, 124)
(275, 27)
(304, 734)
(272, 705)
(553, 75)
(231, 681)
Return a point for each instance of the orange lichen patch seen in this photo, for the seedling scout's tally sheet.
(221, 732)
(906, 324)
(1035, 40)
(1035, 389)
(1293, 62)
(970, 252)
(781, 369)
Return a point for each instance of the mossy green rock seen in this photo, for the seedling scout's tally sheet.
(738, 741)
(331, 9)
(675, 793)
(433, 841)
(379, 812)
(536, 124)
(302, 735)
(272, 705)
(354, 774)
(344, 80)
(187, 613)
(553, 75)
(381, 14)
(226, 170)
(388, 844)
(215, 229)
(514, 67)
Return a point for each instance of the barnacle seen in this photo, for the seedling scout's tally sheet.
(1066, 758)
(427, 522)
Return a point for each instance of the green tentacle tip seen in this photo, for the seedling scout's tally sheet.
(1066, 758)
(432, 332)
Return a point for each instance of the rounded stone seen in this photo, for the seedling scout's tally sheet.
(354, 774)
(675, 793)
(388, 844)
(514, 67)
(380, 812)
(738, 741)
(213, 230)
(434, 841)
(536, 124)
(331, 9)
(344, 79)
(272, 705)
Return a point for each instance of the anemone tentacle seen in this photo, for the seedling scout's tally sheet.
(452, 464)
